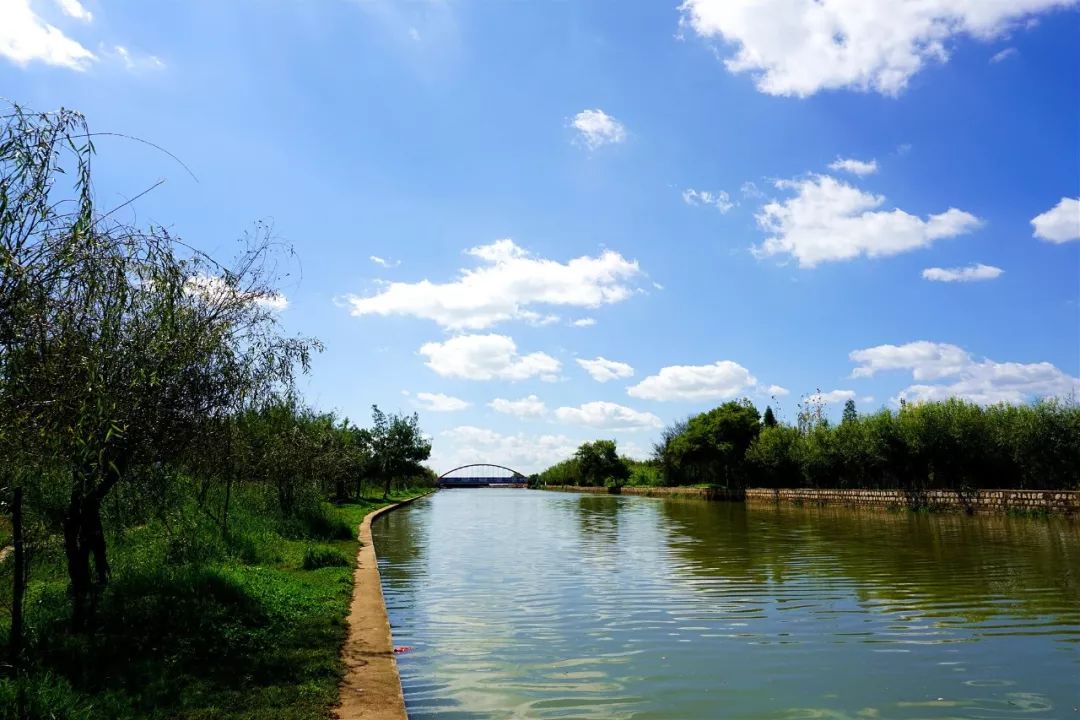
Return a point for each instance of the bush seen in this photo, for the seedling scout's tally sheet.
(320, 557)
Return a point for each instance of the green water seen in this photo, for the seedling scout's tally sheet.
(529, 604)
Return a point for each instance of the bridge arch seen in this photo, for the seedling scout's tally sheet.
(478, 478)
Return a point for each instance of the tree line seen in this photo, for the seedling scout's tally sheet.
(952, 445)
(139, 375)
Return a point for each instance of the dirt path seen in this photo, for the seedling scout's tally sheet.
(371, 688)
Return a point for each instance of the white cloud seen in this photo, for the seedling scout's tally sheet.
(1060, 223)
(719, 381)
(608, 416)
(437, 402)
(584, 322)
(487, 357)
(601, 369)
(213, 287)
(524, 453)
(971, 273)
(982, 381)
(750, 190)
(720, 199)
(509, 281)
(526, 407)
(1004, 54)
(383, 262)
(800, 47)
(137, 62)
(73, 8)
(597, 128)
(778, 390)
(827, 220)
(26, 38)
(928, 360)
(833, 396)
(853, 166)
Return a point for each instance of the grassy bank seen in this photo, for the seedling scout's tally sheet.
(197, 624)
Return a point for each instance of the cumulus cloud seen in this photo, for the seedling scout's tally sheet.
(833, 396)
(853, 166)
(961, 375)
(526, 407)
(214, 288)
(719, 200)
(827, 220)
(777, 390)
(1060, 223)
(800, 47)
(720, 381)
(596, 128)
(25, 37)
(437, 402)
(607, 416)
(522, 452)
(601, 369)
(584, 322)
(488, 357)
(971, 273)
(509, 282)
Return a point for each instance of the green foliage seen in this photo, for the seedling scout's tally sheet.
(850, 413)
(953, 445)
(173, 483)
(644, 474)
(769, 419)
(711, 447)
(320, 557)
(599, 464)
(398, 446)
(170, 636)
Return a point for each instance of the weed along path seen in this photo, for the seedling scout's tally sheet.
(371, 687)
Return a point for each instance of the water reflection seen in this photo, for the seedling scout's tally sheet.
(544, 605)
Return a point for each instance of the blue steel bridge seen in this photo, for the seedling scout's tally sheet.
(481, 475)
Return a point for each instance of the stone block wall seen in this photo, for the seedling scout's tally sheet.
(1064, 502)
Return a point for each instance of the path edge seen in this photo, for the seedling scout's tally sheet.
(370, 687)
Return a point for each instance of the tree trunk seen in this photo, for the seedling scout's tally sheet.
(225, 511)
(84, 537)
(18, 582)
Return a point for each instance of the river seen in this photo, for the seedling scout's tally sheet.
(530, 604)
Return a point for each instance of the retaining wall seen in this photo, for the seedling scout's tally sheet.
(1061, 502)
(1064, 502)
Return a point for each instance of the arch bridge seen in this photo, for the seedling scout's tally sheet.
(481, 475)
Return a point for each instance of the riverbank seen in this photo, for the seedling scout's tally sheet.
(1055, 502)
(196, 625)
(370, 687)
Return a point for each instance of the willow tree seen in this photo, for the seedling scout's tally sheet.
(117, 345)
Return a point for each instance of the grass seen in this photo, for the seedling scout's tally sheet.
(194, 626)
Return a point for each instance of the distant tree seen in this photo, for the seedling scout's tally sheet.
(397, 446)
(599, 462)
(769, 420)
(713, 446)
(850, 414)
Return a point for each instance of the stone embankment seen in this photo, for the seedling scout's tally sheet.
(371, 687)
(1057, 502)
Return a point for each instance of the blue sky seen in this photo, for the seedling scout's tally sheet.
(595, 218)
